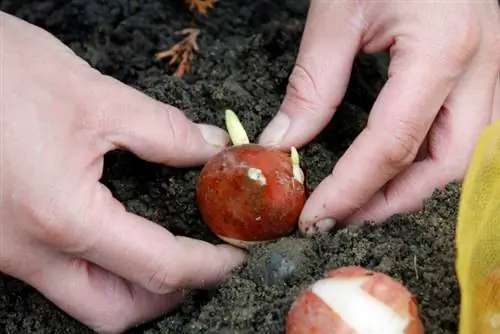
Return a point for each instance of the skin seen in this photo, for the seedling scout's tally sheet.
(443, 90)
(61, 230)
(63, 233)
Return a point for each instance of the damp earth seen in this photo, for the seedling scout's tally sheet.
(247, 51)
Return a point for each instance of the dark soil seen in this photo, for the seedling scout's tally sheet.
(248, 49)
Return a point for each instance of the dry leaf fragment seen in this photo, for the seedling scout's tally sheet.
(184, 50)
(201, 6)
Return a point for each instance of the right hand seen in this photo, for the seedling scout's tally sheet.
(443, 90)
(62, 231)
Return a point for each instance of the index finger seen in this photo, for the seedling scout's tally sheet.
(319, 79)
(398, 124)
(147, 254)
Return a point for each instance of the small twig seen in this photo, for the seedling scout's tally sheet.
(184, 50)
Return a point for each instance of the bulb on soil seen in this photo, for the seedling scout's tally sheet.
(355, 300)
(248, 193)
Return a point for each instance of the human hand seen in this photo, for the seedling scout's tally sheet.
(62, 231)
(443, 89)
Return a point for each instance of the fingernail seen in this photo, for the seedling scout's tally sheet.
(321, 226)
(213, 135)
(276, 130)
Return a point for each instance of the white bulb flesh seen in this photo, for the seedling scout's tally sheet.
(358, 309)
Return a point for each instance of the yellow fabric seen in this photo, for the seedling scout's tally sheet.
(478, 238)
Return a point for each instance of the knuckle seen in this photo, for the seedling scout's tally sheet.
(110, 321)
(176, 124)
(301, 80)
(94, 104)
(61, 225)
(465, 43)
(163, 280)
(302, 88)
(402, 148)
(113, 317)
(105, 328)
(179, 136)
(52, 225)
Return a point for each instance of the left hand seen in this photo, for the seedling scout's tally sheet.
(442, 91)
(61, 230)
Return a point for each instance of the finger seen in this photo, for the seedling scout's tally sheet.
(147, 254)
(152, 130)
(398, 124)
(320, 76)
(96, 297)
(452, 142)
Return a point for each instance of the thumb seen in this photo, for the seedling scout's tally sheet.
(319, 79)
(152, 130)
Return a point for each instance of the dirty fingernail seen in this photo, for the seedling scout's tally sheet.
(275, 130)
(213, 135)
(321, 226)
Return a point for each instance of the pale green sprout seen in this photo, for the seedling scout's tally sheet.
(295, 157)
(298, 174)
(236, 130)
(239, 136)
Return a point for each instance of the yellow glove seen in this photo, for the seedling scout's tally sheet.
(478, 238)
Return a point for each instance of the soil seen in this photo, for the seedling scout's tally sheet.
(247, 51)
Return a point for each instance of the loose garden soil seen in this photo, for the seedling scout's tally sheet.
(247, 50)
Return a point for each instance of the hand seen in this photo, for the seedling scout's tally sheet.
(62, 231)
(443, 90)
